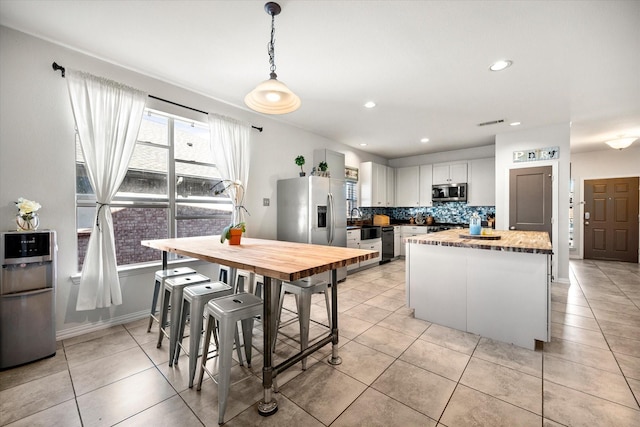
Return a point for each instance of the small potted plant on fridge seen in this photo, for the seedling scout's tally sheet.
(323, 169)
(300, 162)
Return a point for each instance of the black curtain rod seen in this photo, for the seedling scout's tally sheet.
(57, 67)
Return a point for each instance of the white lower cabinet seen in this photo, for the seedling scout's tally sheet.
(371, 245)
(409, 231)
(397, 240)
(353, 241)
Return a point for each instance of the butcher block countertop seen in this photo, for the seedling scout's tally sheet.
(533, 242)
(286, 261)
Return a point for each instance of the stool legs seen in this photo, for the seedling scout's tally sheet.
(304, 318)
(163, 316)
(224, 372)
(154, 302)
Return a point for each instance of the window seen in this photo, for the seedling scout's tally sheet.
(165, 193)
(352, 199)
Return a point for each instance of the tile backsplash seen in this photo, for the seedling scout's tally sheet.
(449, 212)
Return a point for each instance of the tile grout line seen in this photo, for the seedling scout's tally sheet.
(607, 341)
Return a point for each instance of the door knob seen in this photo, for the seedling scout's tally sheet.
(586, 223)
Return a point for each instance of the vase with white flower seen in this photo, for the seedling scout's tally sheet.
(27, 218)
(235, 191)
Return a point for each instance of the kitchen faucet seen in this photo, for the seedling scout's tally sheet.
(351, 213)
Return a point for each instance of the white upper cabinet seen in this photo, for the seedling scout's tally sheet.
(481, 188)
(426, 181)
(413, 186)
(373, 185)
(408, 186)
(391, 186)
(450, 173)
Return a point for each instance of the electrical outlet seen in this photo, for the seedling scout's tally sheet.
(265, 202)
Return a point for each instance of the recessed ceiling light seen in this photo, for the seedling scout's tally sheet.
(369, 104)
(364, 144)
(500, 65)
(424, 140)
(514, 124)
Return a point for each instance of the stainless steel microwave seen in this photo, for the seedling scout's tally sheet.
(449, 193)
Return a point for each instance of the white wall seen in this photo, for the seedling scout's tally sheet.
(37, 161)
(608, 163)
(550, 136)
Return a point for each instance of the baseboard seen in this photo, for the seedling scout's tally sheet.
(93, 327)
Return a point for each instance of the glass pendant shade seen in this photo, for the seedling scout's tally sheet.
(621, 143)
(272, 97)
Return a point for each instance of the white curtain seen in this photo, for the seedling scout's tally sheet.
(108, 117)
(230, 145)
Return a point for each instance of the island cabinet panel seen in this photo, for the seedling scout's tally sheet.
(508, 296)
(495, 288)
(438, 285)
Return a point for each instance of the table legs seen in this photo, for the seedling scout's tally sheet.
(334, 359)
(268, 405)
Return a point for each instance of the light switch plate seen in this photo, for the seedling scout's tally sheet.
(265, 202)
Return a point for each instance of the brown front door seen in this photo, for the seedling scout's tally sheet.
(530, 199)
(611, 219)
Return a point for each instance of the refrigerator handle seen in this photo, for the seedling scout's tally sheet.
(332, 225)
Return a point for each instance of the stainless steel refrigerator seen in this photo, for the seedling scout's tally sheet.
(313, 210)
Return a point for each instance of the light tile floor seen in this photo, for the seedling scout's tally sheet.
(396, 370)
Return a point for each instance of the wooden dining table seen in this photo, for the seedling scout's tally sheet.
(276, 261)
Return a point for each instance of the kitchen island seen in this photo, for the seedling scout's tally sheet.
(497, 288)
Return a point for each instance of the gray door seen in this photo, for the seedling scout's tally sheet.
(530, 199)
(611, 219)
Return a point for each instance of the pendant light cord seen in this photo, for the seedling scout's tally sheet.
(270, 48)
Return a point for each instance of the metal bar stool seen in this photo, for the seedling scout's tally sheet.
(161, 276)
(172, 295)
(302, 290)
(254, 281)
(228, 311)
(193, 304)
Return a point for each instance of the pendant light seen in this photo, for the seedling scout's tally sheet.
(272, 96)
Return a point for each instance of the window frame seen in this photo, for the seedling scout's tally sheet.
(170, 201)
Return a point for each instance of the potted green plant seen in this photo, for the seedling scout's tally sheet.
(233, 233)
(235, 190)
(323, 166)
(300, 162)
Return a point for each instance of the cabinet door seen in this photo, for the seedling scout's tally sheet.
(458, 173)
(366, 184)
(391, 187)
(426, 179)
(380, 185)
(441, 174)
(482, 182)
(373, 185)
(408, 186)
(371, 246)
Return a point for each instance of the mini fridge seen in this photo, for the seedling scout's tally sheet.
(27, 297)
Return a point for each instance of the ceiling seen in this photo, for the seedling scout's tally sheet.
(425, 63)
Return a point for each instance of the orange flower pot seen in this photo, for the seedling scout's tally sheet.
(236, 234)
